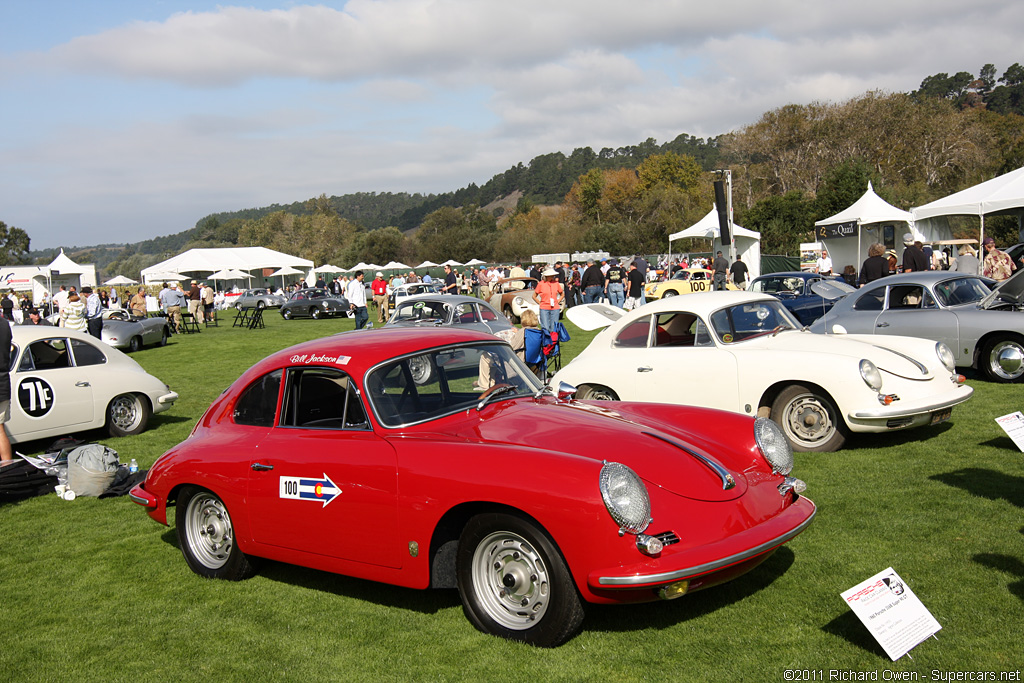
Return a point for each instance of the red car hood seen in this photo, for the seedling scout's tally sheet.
(697, 453)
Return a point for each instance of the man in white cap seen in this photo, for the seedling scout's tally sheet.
(380, 296)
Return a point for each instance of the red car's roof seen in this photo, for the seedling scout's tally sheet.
(358, 350)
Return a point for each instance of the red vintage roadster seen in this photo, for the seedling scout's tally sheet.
(435, 458)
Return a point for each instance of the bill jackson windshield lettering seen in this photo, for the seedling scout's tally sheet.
(308, 359)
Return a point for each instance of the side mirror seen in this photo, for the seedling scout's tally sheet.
(565, 391)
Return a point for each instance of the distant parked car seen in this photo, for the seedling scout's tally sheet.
(259, 298)
(402, 292)
(514, 295)
(793, 289)
(445, 310)
(983, 327)
(684, 281)
(125, 331)
(315, 303)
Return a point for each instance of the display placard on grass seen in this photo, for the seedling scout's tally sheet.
(891, 612)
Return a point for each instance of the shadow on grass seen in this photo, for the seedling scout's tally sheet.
(896, 438)
(600, 618)
(986, 483)
(1009, 565)
(667, 614)
(387, 595)
(848, 627)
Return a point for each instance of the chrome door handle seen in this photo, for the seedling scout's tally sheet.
(82, 383)
(258, 467)
(644, 368)
(882, 325)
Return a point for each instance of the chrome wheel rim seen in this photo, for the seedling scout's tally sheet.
(808, 421)
(419, 368)
(511, 579)
(208, 530)
(1007, 360)
(126, 413)
(600, 395)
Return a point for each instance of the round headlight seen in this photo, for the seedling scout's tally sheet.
(870, 374)
(774, 445)
(626, 497)
(945, 356)
(520, 302)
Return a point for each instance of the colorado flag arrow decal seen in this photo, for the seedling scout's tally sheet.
(304, 488)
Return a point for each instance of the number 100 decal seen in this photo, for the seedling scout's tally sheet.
(316, 489)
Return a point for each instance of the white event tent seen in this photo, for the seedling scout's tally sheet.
(848, 233)
(1000, 196)
(748, 242)
(200, 261)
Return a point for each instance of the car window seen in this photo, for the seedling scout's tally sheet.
(444, 381)
(257, 404)
(465, 314)
(910, 297)
(676, 329)
(634, 335)
(45, 354)
(321, 398)
(967, 290)
(488, 314)
(421, 310)
(86, 354)
(745, 321)
(870, 301)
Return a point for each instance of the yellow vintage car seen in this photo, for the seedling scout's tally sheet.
(685, 281)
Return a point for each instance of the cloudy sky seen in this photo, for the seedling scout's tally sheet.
(127, 119)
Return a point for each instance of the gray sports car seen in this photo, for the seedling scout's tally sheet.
(259, 298)
(124, 331)
(984, 327)
(316, 303)
(437, 310)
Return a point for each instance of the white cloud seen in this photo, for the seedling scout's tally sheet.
(243, 107)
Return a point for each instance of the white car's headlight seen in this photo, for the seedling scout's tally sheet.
(870, 374)
(519, 301)
(774, 445)
(945, 356)
(626, 497)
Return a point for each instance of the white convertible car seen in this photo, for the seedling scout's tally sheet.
(746, 353)
(64, 381)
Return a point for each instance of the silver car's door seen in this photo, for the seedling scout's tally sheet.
(860, 318)
(911, 310)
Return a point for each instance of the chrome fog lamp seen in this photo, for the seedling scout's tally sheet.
(870, 374)
(774, 445)
(945, 356)
(649, 545)
(626, 497)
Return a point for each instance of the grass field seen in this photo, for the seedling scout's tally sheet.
(95, 590)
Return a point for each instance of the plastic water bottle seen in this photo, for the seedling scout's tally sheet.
(133, 467)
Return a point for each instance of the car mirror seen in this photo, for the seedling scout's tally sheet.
(565, 391)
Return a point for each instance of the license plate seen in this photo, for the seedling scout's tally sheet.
(941, 415)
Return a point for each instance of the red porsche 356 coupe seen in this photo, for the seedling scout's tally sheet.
(435, 458)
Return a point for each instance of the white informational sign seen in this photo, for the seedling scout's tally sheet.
(891, 612)
(1013, 425)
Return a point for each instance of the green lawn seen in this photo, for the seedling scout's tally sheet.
(95, 590)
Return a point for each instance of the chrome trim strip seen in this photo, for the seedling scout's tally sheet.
(889, 414)
(138, 499)
(667, 577)
(920, 366)
(727, 479)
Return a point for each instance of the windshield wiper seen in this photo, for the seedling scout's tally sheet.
(493, 392)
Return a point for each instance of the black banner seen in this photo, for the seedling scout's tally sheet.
(847, 229)
(721, 203)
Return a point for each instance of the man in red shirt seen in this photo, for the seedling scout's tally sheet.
(380, 297)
